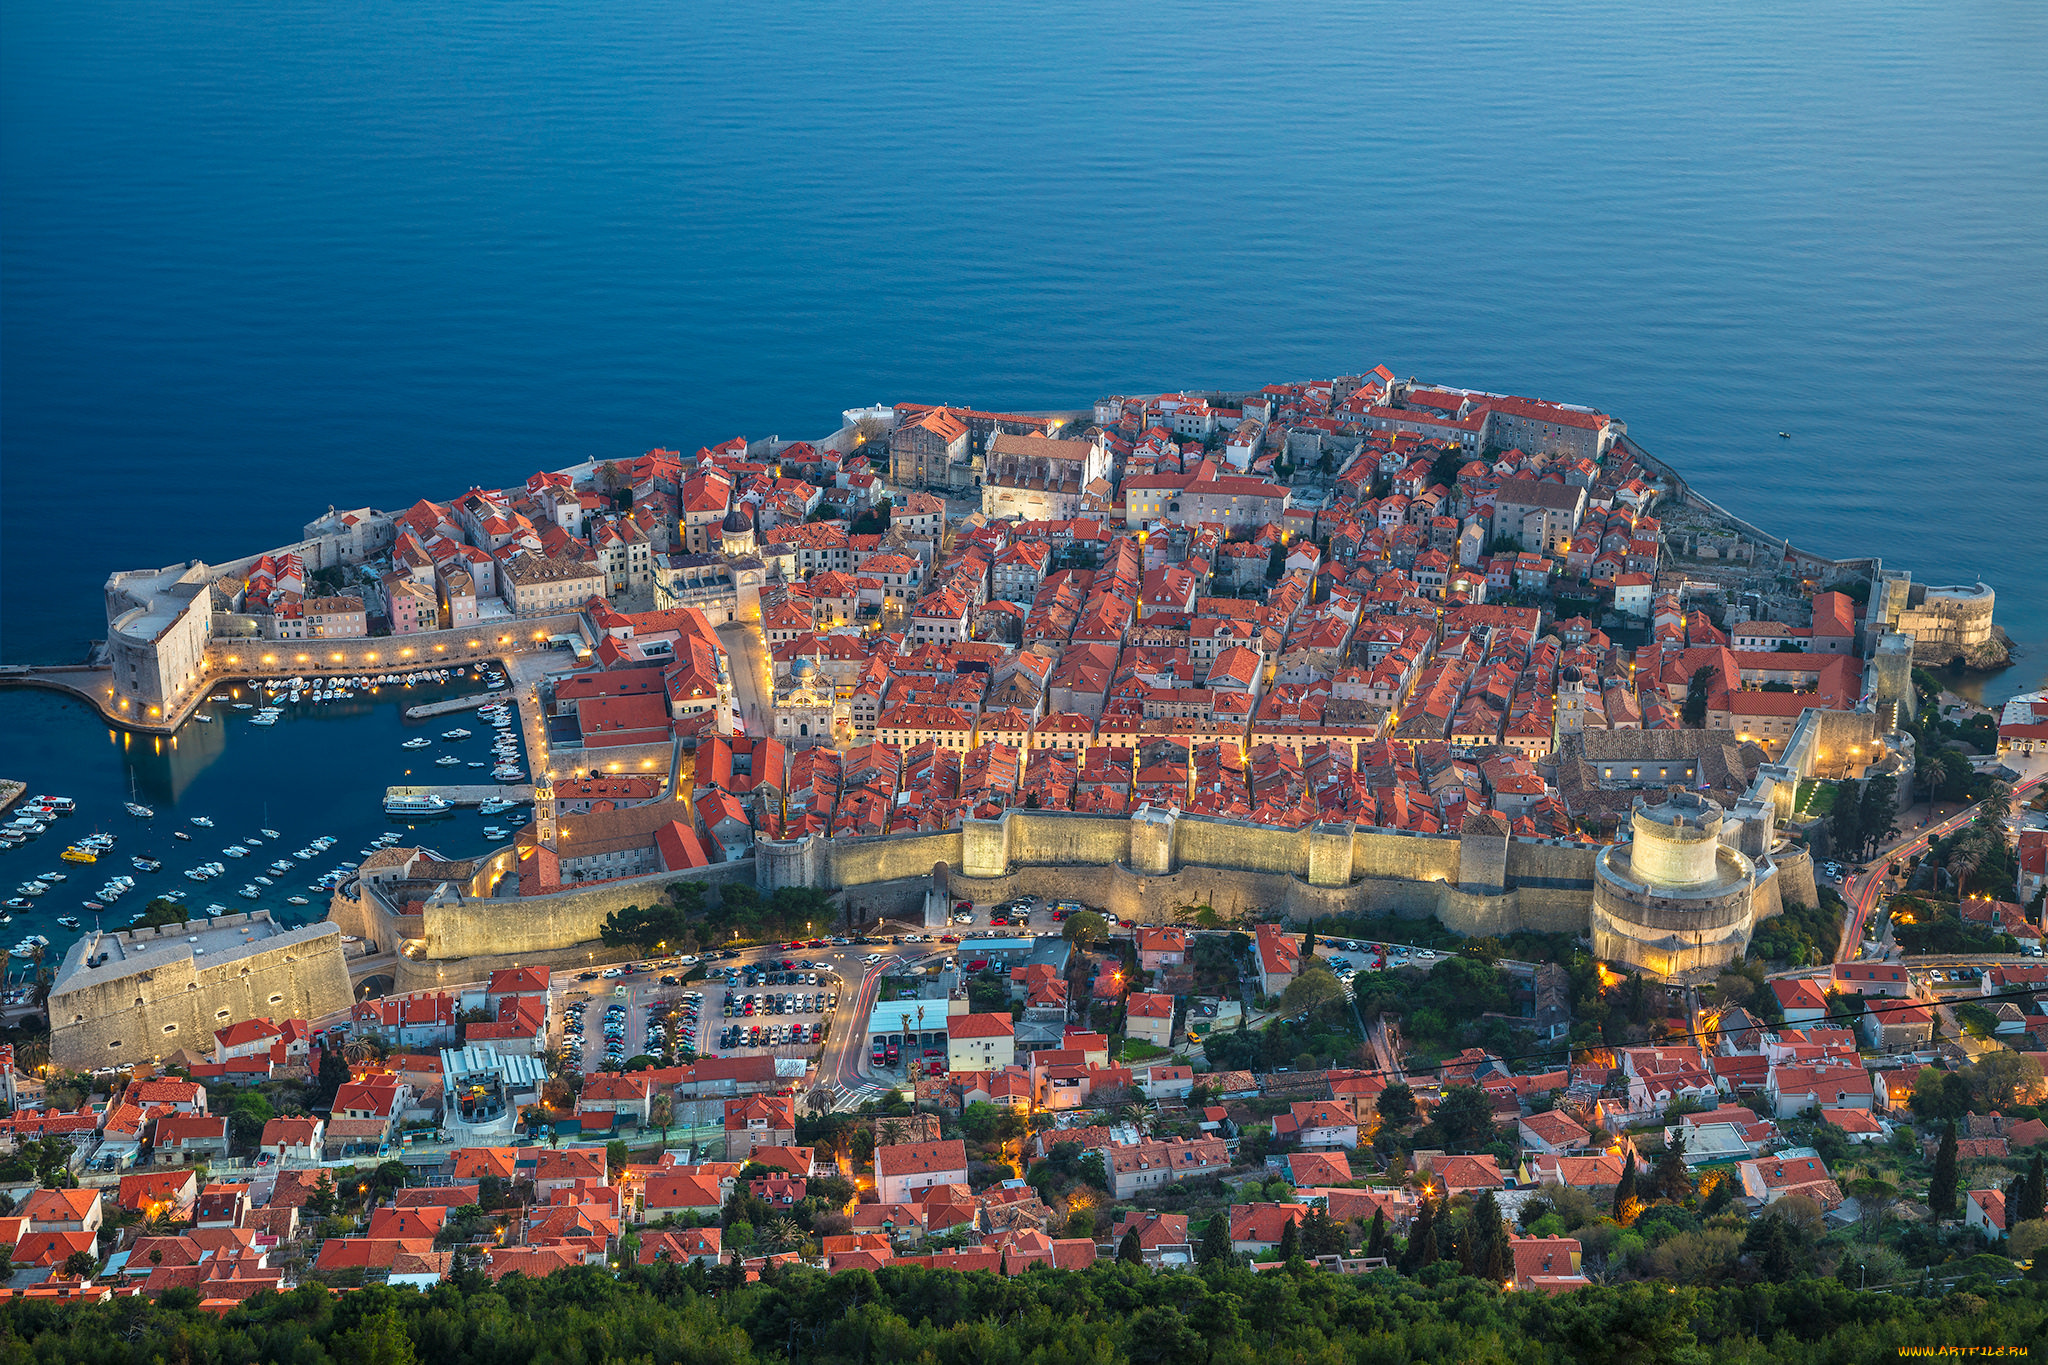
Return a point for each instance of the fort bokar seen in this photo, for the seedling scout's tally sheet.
(1361, 645)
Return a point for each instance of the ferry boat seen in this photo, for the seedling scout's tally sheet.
(417, 743)
(418, 807)
(75, 854)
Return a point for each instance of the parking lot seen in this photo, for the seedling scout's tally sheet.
(1347, 957)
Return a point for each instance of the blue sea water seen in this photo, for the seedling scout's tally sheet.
(260, 258)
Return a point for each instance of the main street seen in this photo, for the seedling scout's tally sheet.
(1863, 887)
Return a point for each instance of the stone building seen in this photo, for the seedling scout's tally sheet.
(158, 624)
(143, 994)
(1540, 516)
(1674, 899)
(1035, 478)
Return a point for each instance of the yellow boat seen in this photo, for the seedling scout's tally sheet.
(78, 855)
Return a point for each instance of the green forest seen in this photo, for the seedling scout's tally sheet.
(1109, 1314)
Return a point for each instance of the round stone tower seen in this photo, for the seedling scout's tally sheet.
(1675, 899)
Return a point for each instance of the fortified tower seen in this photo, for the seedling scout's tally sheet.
(1675, 899)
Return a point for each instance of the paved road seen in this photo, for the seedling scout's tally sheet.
(1862, 889)
(752, 688)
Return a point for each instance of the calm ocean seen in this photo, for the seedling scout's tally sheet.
(259, 258)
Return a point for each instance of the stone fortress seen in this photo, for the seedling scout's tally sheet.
(1675, 898)
(140, 995)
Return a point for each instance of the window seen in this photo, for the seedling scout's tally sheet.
(170, 1028)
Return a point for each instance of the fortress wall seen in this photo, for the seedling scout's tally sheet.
(1376, 853)
(540, 924)
(152, 1012)
(1064, 837)
(1796, 885)
(887, 857)
(1533, 863)
(386, 653)
(1241, 844)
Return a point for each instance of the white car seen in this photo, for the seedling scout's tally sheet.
(872, 958)
(963, 919)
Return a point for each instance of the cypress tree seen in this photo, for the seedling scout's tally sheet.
(1421, 1248)
(2035, 1200)
(1376, 1240)
(1626, 1190)
(1290, 1241)
(1941, 1194)
(1215, 1247)
(1128, 1251)
(1673, 1180)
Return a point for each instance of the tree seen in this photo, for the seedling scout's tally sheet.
(1276, 562)
(661, 1112)
(1941, 1191)
(1396, 1105)
(334, 1074)
(1128, 1252)
(1485, 1245)
(1694, 712)
(1466, 1117)
(1085, 928)
(1421, 1248)
(1214, 1248)
(1625, 1191)
(1845, 824)
(2001, 1078)
(1376, 1238)
(1080, 1223)
(1311, 992)
(325, 1199)
(2033, 1200)
(616, 1157)
(81, 1264)
(1672, 1180)
(1880, 811)
(1322, 1235)
(1290, 1240)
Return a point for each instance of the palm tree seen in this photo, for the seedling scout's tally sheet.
(819, 1101)
(1130, 1114)
(781, 1235)
(890, 1132)
(661, 1113)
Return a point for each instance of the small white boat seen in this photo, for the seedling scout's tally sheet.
(419, 743)
(203, 821)
(268, 833)
(203, 718)
(297, 900)
(251, 892)
(216, 910)
(263, 881)
(180, 834)
(68, 921)
(457, 733)
(51, 877)
(448, 761)
(235, 851)
(138, 810)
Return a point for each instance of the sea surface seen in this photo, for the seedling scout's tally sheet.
(257, 259)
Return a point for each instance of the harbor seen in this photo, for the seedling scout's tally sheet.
(250, 761)
(454, 704)
(463, 795)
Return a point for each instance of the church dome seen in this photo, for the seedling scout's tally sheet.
(739, 518)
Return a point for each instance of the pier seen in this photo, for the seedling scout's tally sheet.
(454, 704)
(469, 795)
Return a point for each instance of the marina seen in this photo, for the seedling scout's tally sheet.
(215, 786)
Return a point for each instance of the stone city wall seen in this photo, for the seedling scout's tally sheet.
(542, 924)
(251, 657)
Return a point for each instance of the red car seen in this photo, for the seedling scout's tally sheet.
(935, 1069)
(998, 919)
(978, 964)
(963, 907)
(949, 938)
